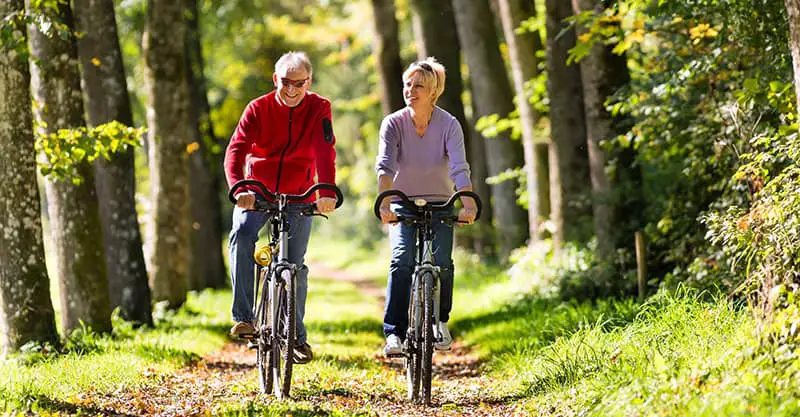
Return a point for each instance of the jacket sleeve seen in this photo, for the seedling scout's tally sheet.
(242, 139)
(459, 167)
(324, 150)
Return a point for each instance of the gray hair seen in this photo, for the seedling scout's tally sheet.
(292, 61)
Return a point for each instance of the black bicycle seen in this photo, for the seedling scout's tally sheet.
(275, 306)
(423, 307)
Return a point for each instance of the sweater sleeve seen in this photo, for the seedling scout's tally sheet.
(242, 139)
(324, 150)
(459, 167)
(386, 161)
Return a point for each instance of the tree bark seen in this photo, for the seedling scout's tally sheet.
(570, 186)
(438, 37)
(207, 268)
(793, 12)
(106, 91)
(26, 310)
(73, 209)
(522, 50)
(387, 50)
(168, 134)
(491, 94)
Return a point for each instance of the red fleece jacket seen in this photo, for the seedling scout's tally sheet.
(283, 147)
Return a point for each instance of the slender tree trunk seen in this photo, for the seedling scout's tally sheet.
(73, 209)
(207, 269)
(438, 37)
(26, 310)
(570, 185)
(168, 134)
(387, 51)
(603, 73)
(524, 67)
(491, 94)
(793, 11)
(107, 100)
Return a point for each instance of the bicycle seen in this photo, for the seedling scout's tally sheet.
(423, 307)
(275, 306)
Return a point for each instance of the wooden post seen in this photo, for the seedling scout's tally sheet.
(641, 264)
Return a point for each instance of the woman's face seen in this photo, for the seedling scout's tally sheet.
(415, 92)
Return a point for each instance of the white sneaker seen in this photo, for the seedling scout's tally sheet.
(444, 340)
(393, 346)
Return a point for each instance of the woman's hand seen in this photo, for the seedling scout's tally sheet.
(466, 216)
(387, 215)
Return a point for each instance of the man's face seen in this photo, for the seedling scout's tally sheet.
(292, 85)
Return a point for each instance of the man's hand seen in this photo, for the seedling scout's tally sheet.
(246, 201)
(387, 215)
(326, 205)
(466, 216)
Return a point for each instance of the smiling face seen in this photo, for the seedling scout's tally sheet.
(415, 92)
(292, 85)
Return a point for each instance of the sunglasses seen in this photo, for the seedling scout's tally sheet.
(424, 65)
(294, 83)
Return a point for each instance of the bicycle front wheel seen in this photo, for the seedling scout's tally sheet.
(429, 281)
(263, 358)
(286, 330)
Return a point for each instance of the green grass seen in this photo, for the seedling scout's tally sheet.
(42, 380)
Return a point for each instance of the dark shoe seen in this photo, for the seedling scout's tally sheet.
(303, 354)
(243, 329)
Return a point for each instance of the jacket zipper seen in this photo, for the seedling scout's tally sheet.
(283, 153)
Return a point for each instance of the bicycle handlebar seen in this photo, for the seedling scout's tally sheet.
(432, 206)
(269, 195)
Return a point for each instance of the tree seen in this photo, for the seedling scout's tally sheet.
(491, 94)
(439, 38)
(107, 99)
(522, 49)
(73, 209)
(26, 310)
(569, 172)
(207, 269)
(387, 52)
(793, 11)
(167, 121)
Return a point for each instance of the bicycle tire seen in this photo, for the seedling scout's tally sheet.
(290, 327)
(277, 329)
(428, 280)
(411, 363)
(263, 359)
(414, 341)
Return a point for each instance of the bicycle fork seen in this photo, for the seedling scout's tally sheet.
(418, 291)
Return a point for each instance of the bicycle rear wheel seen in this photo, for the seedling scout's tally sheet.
(428, 280)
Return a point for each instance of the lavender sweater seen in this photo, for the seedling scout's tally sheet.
(426, 166)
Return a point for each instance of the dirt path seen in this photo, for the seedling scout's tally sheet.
(220, 377)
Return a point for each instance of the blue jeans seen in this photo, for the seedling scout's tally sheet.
(243, 237)
(403, 240)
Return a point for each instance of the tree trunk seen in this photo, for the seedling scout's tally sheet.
(26, 310)
(107, 100)
(439, 38)
(570, 185)
(793, 11)
(168, 134)
(206, 269)
(73, 209)
(387, 52)
(491, 94)
(522, 50)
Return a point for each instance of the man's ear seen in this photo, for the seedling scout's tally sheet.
(275, 79)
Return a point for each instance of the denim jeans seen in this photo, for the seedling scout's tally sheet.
(403, 240)
(243, 237)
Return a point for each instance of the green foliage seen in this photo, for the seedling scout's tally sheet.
(64, 150)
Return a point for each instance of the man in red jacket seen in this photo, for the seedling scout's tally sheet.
(285, 140)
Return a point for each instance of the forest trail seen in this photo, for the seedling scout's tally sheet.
(222, 383)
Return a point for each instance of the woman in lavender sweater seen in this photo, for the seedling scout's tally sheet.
(421, 153)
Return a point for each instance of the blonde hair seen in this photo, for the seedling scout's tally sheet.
(433, 75)
(293, 61)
